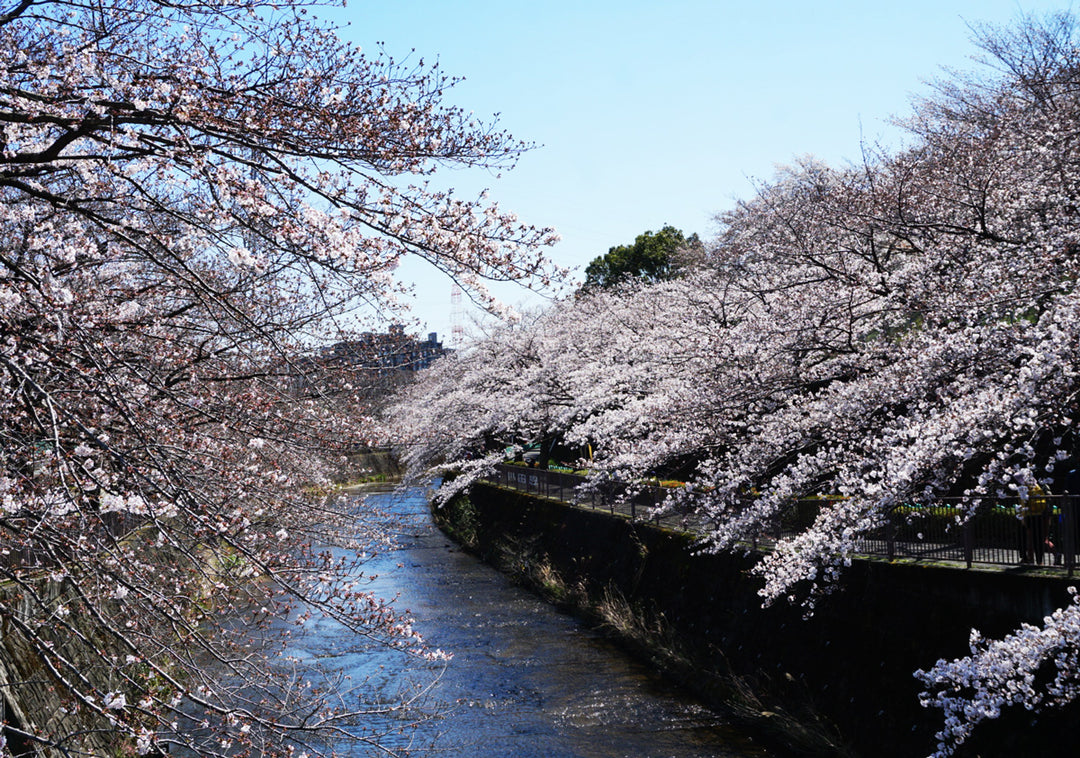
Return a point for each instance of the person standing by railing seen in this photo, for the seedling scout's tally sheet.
(1035, 528)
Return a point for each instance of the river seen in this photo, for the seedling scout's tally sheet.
(524, 681)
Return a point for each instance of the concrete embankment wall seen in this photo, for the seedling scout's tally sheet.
(839, 682)
(370, 463)
(31, 699)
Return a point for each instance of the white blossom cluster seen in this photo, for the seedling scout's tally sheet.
(1033, 667)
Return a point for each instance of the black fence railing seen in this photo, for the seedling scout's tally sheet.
(639, 501)
(997, 534)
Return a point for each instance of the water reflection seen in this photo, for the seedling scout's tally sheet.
(525, 680)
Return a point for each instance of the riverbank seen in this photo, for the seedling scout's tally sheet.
(839, 683)
(369, 465)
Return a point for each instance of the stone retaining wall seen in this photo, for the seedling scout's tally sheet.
(30, 695)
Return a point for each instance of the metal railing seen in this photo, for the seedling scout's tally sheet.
(639, 501)
(934, 531)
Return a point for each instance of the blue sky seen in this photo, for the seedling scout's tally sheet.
(650, 113)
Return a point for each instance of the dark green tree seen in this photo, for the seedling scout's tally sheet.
(653, 257)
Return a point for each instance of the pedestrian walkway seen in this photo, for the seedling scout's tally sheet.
(995, 537)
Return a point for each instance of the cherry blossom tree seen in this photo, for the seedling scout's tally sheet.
(194, 196)
(885, 333)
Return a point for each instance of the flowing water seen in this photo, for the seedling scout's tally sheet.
(524, 681)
